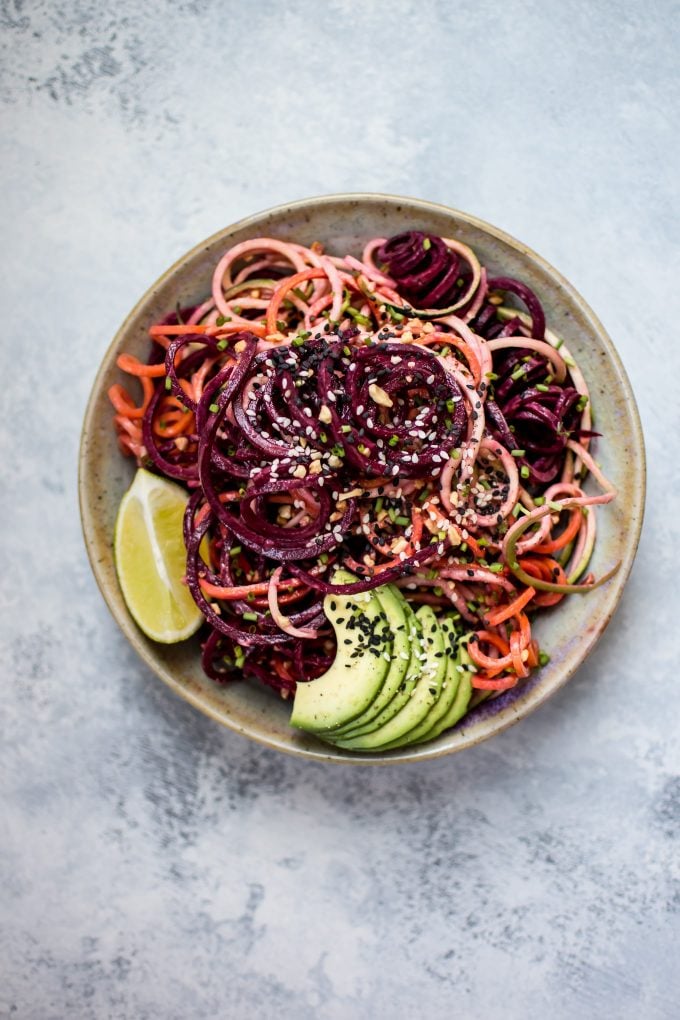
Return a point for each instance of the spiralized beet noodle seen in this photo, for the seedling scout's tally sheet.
(401, 415)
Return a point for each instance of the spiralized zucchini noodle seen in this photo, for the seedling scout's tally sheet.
(404, 415)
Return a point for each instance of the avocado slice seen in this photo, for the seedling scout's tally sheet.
(424, 695)
(413, 674)
(401, 621)
(361, 664)
(462, 699)
(450, 687)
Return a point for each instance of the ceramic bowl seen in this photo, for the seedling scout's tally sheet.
(342, 223)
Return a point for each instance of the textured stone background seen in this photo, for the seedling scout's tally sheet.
(154, 866)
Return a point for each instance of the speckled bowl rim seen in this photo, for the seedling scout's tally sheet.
(423, 752)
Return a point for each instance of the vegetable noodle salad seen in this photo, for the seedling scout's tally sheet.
(404, 415)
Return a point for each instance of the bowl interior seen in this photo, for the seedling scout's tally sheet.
(343, 223)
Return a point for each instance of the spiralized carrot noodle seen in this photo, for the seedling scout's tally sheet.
(400, 412)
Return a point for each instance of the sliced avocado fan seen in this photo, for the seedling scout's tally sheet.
(398, 678)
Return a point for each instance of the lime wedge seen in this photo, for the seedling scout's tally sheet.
(151, 559)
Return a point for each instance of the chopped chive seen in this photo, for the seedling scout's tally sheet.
(517, 453)
(495, 568)
(358, 317)
(250, 616)
(427, 243)
(323, 558)
(558, 344)
(543, 658)
(237, 309)
(323, 437)
(346, 351)
(222, 345)
(393, 440)
(524, 471)
(542, 387)
(168, 382)
(403, 521)
(345, 428)
(553, 505)
(451, 405)
(379, 504)
(483, 542)
(539, 501)
(235, 550)
(518, 373)
(214, 408)
(463, 547)
(491, 375)
(297, 341)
